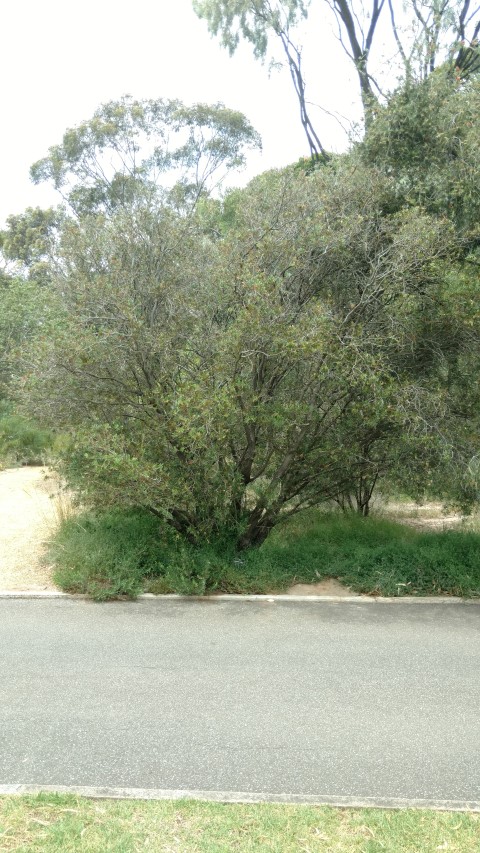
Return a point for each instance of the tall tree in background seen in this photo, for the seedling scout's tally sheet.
(126, 153)
(427, 33)
(257, 22)
(437, 32)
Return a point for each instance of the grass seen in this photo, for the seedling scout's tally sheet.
(56, 823)
(21, 441)
(109, 554)
(124, 553)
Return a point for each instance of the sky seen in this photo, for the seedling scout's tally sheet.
(60, 60)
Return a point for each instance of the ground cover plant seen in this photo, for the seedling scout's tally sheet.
(53, 823)
(125, 553)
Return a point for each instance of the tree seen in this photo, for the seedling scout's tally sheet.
(439, 32)
(431, 32)
(256, 21)
(227, 381)
(116, 158)
(427, 139)
(27, 239)
(360, 35)
(25, 310)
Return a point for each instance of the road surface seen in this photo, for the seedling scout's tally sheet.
(297, 698)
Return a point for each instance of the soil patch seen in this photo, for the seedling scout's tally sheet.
(327, 586)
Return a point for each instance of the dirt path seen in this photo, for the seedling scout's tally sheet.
(28, 516)
(424, 517)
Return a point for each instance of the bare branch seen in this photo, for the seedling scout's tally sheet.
(397, 38)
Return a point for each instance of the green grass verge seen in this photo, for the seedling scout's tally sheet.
(124, 553)
(66, 824)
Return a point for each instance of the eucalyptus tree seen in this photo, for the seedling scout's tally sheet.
(423, 35)
(133, 151)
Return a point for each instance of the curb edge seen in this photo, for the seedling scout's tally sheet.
(335, 599)
(113, 793)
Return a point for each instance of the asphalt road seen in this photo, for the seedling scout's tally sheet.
(325, 699)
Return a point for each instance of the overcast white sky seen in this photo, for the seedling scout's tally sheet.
(59, 60)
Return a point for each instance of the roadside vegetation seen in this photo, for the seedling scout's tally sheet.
(224, 365)
(125, 553)
(55, 823)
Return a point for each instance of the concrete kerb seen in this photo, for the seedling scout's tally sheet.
(105, 793)
(269, 599)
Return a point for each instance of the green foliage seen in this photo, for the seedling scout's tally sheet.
(107, 555)
(120, 552)
(27, 240)
(125, 553)
(236, 19)
(114, 159)
(373, 556)
(26, 310)
(427, 138)
(21, 441)
(224, 381)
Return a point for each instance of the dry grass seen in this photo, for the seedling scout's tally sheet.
(427, 516)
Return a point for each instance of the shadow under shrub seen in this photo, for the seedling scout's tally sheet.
(127, 552)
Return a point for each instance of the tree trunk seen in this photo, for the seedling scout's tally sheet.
(259, 526)
(365, 491)
(363, 507)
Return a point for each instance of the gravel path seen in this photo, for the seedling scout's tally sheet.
(28, 514)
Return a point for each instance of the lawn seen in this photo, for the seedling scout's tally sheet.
(125, 553)
(56, 823)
